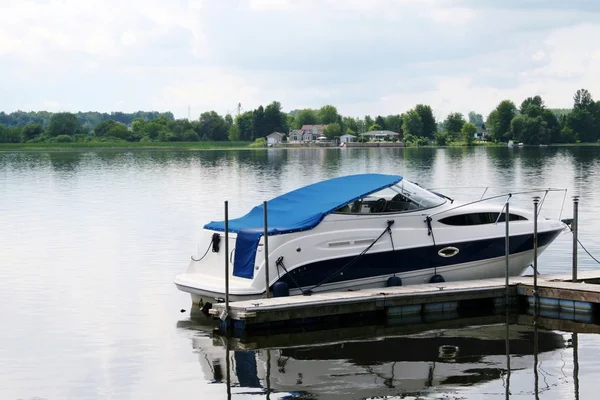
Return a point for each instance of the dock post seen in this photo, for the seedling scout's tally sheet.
(575, 341)
(536, 202)
(228, 368)
(267, 281)
(227, 265)
(575, 227)
(507, 340)
(507, 251)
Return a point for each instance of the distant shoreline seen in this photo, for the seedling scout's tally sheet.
(196, 146)
(13, 147)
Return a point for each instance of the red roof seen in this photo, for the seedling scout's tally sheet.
(311, 127)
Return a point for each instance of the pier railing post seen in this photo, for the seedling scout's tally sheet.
(536, 202)
(575, 227)
(266, 236)
(227, 258)
(507, 251)
(507, 341)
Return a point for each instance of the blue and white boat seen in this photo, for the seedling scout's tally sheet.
(356, 232)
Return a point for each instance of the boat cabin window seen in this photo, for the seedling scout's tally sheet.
(479, 219)
(401, 197)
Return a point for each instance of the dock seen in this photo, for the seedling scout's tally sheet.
(558, 298)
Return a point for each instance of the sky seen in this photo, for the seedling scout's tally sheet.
(366, 57)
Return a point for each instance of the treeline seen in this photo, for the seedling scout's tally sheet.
(531, 123)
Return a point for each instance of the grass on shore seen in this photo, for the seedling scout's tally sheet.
(122, 145)
(208, 145)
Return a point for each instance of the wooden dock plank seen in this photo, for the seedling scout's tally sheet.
(318, 305)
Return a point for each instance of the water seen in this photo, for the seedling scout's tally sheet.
(90, 243)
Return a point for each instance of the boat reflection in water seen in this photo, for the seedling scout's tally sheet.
(366, 362)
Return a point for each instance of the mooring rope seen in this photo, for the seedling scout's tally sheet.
(583, 247)
(351, 262)
(214, 242)
(279, 263)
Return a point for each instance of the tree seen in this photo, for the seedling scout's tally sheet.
(380, 122)
(441, 138)
(468, 132)
(582, 99)
(332, 130)
(582, 122)
(244, 123)
(532, 106)
(428, 120)
(350, 123)
(453, 124)
(412, 124)
(274, 119)
(156, 129)
(259, 122)
(8, 135)
(234, 133)
(213, 127)
(31, 131)
(552, 125)
(305, 116)
(327, 114)
(530, 130)
(476, 119)
(374, 127)
(64, 123)
(498, 122)
(393, 123)
(111, 129)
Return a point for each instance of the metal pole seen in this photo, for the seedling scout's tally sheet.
(267, 281)
(228, 366)
(507, 251)
(575, 365)
(226, 258)
(536, 375)
(268, 377)
(536, 201)
(575, 227)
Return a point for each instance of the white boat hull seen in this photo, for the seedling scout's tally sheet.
(485, 269)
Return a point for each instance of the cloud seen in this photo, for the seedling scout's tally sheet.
(376, 57)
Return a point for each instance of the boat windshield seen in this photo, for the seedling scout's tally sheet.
(403, 196)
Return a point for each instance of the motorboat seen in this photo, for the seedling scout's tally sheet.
(356, 232)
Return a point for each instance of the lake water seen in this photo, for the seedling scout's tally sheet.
(90, 243)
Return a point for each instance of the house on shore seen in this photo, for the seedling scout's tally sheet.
(275, 138)
(347, 138)
(308, 133)
(376, 136)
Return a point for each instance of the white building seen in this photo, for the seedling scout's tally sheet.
(346, 138)
(375, 136)
(275, 138)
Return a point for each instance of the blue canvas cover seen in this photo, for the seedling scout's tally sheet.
(298, 210)
(246, 244)
(304, 208)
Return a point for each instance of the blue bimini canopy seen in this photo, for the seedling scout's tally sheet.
(298, 210)
(304, 208)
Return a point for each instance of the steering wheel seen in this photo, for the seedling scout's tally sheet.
(380, 205)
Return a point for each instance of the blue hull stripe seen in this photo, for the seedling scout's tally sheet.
(414, 259)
